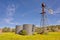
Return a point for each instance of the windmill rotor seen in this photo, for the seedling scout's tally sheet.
(50, 11)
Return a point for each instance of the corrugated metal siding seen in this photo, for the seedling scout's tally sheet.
(18, 29)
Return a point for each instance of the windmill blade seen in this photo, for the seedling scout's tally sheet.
(50, 11)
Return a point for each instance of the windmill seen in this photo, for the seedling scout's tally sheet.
(44, 21)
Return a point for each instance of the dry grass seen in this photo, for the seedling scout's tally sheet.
(12, 36)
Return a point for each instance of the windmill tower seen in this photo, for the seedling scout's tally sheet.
(43, 15)
(44, 21)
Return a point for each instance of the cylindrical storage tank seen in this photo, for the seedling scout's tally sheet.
(18, 29)
(28, 28)
(33, 29)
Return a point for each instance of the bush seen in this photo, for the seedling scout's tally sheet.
(6, 29)
(23, 32)
(13, 30)
(43, 31)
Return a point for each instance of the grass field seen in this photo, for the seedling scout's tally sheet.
(13, 36)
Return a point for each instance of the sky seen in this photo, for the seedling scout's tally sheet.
(19, 12)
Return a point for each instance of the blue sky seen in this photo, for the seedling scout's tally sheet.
(19, 12)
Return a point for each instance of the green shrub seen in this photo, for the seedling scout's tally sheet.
(6, 29)
(23, 32)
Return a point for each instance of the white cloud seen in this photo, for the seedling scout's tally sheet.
(10, 10)
(37, 25)
(14, 23)
(8, 20)
(29, 12)
(58, 21)
(57, 10)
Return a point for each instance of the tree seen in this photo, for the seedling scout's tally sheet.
(6, 29)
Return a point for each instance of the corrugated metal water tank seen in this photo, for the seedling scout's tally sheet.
(29, 28)
(33, 29)
(18, 28)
